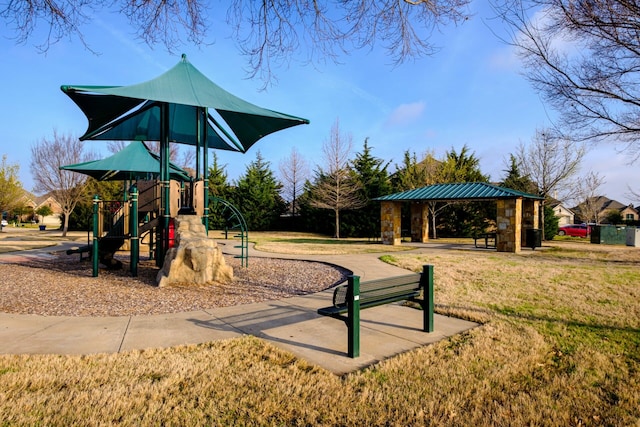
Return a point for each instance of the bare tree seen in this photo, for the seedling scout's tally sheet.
(11, 191)
(266, 31)
(335, 188)
(294, 171)
(65, 186)
(582, 56)
(549, 161)
(586, 196)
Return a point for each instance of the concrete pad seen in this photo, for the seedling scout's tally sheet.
(254, 318)
(64, 335)
(167, 330)
(324, 342)
(294, 325)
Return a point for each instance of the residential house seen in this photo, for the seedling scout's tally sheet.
(55, 218)
(564, 214)
(31, 203)
(597, 209)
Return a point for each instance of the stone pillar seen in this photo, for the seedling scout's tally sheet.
(419, 222)
(509, 222)
(530, 216)
(390, 218)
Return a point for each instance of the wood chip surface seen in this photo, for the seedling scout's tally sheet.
(63, 285)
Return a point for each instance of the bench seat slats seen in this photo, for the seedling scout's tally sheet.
(395, 288)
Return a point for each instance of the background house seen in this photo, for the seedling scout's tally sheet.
(564, 214)
(600, 209)
(54, 219)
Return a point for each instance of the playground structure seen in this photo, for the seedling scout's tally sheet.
(135, 221)
(181, 106)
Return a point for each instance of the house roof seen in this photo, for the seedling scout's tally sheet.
(602, 203)
(468, 191)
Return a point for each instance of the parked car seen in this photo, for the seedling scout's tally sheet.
(4, 223)
(575, 230)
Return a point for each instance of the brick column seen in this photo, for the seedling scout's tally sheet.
(390, 217)
(530, 216)
(419, 222)
(509, 222)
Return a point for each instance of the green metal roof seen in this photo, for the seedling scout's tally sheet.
(467, 191)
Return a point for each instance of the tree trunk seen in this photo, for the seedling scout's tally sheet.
(433, 224)
(337, 235)
(65, 225)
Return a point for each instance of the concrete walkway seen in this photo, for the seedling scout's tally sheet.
(291, 324)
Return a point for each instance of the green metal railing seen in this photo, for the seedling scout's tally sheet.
(233, 221)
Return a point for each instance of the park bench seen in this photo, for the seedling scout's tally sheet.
(350, 298)
(489, 240)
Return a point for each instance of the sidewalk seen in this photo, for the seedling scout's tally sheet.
(291, 324)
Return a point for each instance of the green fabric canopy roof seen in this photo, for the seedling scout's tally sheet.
(133, 112)
(134, 161)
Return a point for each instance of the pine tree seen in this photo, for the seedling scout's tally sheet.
(516, 180)
(463, 219)
(218, 187)
(257, 195)
(373, 181)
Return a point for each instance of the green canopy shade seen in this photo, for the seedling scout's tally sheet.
(134, 161)
(133, 112)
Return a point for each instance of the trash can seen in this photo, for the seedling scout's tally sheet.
(609, 235)
(633, 236)
(42, 227)
(533, 238)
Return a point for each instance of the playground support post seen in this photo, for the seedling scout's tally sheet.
(94, 250)
(135, 241)
(163, 244)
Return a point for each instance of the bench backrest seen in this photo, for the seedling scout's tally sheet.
(379, 290)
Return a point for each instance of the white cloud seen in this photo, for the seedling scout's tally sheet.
(504, 59)
(406, 114)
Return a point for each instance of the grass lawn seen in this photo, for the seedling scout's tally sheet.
(560, 345)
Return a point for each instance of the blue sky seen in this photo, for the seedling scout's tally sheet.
(471, 92)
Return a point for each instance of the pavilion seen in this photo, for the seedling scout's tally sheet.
(517, 212)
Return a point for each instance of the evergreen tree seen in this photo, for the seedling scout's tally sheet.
(373, 181)
(463, 219)
(218, 187)
(257, 195)
(461, 167)
(313, 219)
(413, 174)
(82, 216)
(550, 223)
(515, 180)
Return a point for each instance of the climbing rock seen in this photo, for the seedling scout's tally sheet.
(195, 259)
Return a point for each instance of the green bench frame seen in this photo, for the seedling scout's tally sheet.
(350, 298)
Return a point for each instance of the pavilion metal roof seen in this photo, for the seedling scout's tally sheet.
(463, 191)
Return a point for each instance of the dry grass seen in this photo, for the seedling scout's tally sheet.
(316, 244)
(560, 346)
